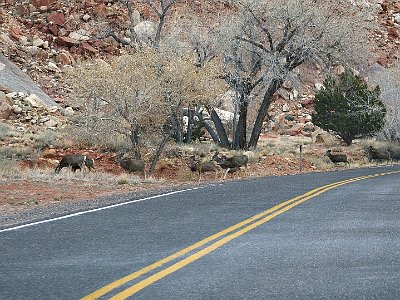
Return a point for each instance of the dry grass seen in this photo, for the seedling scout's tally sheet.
(47, 138)
(83, 138)
(4, 131)
(15, 152)
(9, 168)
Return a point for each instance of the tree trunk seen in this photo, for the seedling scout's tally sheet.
(176, 128)
(157, 38)
(189, 132)
(262, 112)
(158, 153)
(134, 136)
(240, 136)
(219, 127)
(208, 127)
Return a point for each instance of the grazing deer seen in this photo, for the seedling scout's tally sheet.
(337, 158)
(378, 154)
(202, 167)
(230, 164)
(75, 161)
(131, 165)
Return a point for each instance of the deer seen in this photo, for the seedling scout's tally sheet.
(378, 154)
(131, 165)
(75, 161)
(202, 167)
(337, 158)
(230, 164)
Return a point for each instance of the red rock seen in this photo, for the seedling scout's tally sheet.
(49, 153)
(53, 28)
(66, 41)
(15, 33)
(21, 9)
(100, 10)
(88, 48)
(307, 102)
(295, 130)
(57, 18)
(65, 58)
(383, 60)
(42, 54)
(111, 50)
(38, 3)
(393, 33)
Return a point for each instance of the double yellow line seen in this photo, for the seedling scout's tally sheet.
(226, 236)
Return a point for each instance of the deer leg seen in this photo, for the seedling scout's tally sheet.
(226, 172)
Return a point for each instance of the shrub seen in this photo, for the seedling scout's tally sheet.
(14, 153)
(47, 138)
(348, 108)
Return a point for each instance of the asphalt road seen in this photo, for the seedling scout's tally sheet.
(337, 242)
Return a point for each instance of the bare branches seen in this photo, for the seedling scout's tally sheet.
(161, 12)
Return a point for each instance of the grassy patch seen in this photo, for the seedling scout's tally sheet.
(47, 138)
(9, 168)
(14, 152)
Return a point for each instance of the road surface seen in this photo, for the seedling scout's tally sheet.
(329, 235)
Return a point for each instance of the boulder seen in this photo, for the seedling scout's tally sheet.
(295, 130)
(39, 3)
(14, 79)
(16, 109)
(57, 18)
(49, 153)
(5, 107)
(34, 101)
(80, 35)
(136, 17)
(65, 58)
(69, 111)
(146, 31)
(51, 123)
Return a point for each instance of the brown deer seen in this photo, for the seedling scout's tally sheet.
(337, 158)
(230, 164)
(131, 165)
(196, 165)
(378, 154)
(75, 161)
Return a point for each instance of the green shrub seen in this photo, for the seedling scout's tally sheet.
(348, 108)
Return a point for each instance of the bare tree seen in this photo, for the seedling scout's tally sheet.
(267, 40)
(388, 81)
(161, 9)
(141, 96)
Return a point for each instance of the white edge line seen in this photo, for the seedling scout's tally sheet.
(97, 209)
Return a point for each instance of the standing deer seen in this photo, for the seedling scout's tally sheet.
(202, 167)
(230, 164)
(131, 165)
(378, 154)
(337, 158)
(75, 161)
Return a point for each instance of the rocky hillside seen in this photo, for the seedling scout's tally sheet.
(45, 38)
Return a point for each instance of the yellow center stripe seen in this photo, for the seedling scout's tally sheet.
(271, 213)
